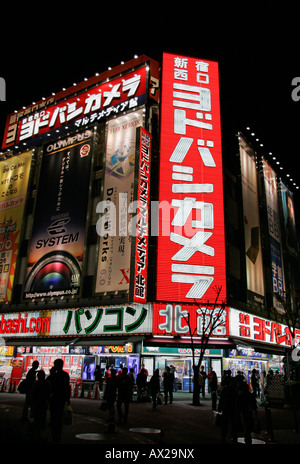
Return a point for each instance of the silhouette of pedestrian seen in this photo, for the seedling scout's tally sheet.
(59, 396)
(168, 380)
(141, 383)
(154, 387)
(227, 406)
(213, 389)
(125, 386)
(40, 401)
(30, 381)
(244, 406)
(109, 397)
(202, 378)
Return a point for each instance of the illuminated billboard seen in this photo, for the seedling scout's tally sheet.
(271, 193)
(104, 100)
(14, 176)
(113, 227)
(58, 235)
(140, 236)
(191, 243)
(101, 320)
(289, 222)
(173, 319)
(252, 230)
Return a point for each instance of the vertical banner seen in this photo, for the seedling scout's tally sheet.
(113, 270)
(289, 222)
(191, 239)
(140, 238)
(58, 236)
(14, 176)
(270, 183)
(253, 251)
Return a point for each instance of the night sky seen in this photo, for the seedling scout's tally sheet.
(256, 45)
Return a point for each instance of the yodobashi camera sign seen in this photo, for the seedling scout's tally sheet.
(191, 257)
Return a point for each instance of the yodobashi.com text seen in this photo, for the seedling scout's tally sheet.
(109, 223)
(24, 324)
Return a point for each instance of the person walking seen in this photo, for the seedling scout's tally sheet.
(40, 400)
(244, 406)
(141, 383)
(168, 381)
(30, 381)
(175, 383)
(154, 387)
(202, 378)
(59, 397)
(213, 385)
(110, 395)
(125, 385)
(227, 406)
(255, 383)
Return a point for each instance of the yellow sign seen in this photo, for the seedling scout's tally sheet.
(14, 176)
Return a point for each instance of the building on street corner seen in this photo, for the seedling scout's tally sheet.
(122, 213)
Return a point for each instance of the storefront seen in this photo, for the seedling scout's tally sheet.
(84, 338)
(160, 352)
(80, 362)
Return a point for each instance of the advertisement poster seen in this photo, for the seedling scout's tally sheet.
(113, 227)
(289, 224)
(253, 250)
(191, 237)
(58, 235)
(270, 183)
(14, 176)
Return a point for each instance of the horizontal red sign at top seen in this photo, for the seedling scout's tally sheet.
(102, 101)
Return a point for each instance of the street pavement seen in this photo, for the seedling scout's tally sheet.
(178, 425)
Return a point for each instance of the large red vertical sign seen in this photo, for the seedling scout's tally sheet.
(191, 242)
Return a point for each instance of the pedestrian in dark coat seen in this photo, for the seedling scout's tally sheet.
(125, 385)
(213, 388)
(40, 401)
(30, 381)
(59, 396)
(110, 395)
(168, 381)
(154, 387)
(244, 407)
(141, 383)
(227, 406)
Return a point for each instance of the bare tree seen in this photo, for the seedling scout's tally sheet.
(211, 315)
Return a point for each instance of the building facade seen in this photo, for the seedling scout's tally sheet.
(124, 228)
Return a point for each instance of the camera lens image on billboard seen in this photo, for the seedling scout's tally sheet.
(58, 236)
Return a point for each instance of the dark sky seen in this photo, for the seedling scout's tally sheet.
(256, 45)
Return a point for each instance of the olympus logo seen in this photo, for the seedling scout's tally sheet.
(69, 141)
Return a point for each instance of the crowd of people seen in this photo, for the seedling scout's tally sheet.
(43, 394)
(236, 397)
(119, 386)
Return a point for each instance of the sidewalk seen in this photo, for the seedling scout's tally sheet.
(180, 424)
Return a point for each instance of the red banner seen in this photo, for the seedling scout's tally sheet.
(142, 218)
(106, 99)
(172, 319)
(191, 243)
